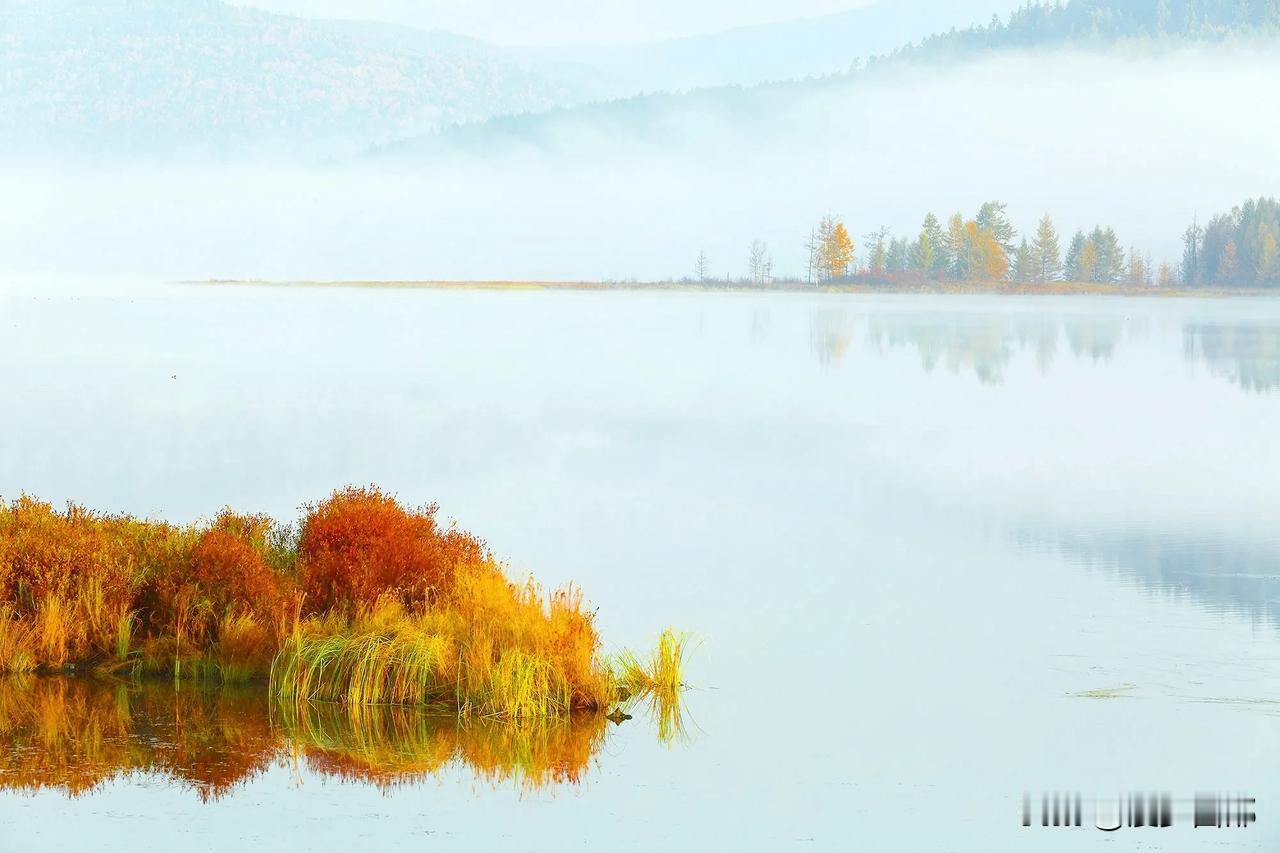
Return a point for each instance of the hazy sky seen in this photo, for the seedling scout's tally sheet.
(568, 21)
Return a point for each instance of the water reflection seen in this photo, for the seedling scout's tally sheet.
(76, 734)
(1240, 578)
(1245, 354)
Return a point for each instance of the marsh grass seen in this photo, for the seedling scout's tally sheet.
(365, 603)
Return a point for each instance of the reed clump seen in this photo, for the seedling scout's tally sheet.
(364, 603)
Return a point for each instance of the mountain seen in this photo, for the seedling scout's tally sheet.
(204, 77)
(789, 50)
(1099, 25)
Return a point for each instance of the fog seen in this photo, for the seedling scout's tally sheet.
(1142, 143)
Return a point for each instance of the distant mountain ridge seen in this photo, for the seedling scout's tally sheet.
(1090, 24)
(205, 77)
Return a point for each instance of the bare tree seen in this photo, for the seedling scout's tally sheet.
(759, 264)
(812, 246)
(701, 267)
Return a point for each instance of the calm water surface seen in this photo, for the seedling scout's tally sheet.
(935, 551)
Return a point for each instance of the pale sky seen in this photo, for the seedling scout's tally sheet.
(551, 22)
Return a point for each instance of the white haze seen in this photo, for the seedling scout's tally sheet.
(1140, 143)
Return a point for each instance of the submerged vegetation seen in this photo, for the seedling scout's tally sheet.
(365, 602)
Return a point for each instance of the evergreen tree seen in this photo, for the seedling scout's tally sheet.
(924, 254)
(992, 217)
(877, 251)
(1110, 266)
(899, 254)
(1192, 239)
(1074, 250)
(1024, 266)
(1046, 251)
(933, 229)
(955, 248)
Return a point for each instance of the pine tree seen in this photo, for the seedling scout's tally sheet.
(1046, 251)
(933, 229)
(1192, 241)
(877, 251)
(993, 218)
(1074, 251)
(955, 248)
(1109, 267)
(923, 254)
(1024, 267)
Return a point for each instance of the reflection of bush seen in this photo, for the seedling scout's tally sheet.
(75, 734)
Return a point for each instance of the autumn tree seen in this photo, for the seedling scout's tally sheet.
(1228, 264)
(1088, 261)
(835, 249)
(987, 258)
(1046, 251)
(992, 218)
(1267, 267)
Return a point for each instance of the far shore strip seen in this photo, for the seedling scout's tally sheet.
(1057, 288)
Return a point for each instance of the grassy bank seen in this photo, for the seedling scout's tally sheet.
(363, 602)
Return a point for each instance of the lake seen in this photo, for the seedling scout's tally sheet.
(933, 552)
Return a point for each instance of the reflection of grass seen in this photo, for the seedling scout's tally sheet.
(660, 682)
(397, 745)
(75, 734)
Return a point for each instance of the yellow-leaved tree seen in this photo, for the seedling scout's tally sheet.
(835, 248)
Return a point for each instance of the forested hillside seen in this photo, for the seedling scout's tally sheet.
(200, 76)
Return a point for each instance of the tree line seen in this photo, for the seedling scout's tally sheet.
(1236, 249)
(1239, 248)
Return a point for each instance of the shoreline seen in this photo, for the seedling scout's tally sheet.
(851, 288)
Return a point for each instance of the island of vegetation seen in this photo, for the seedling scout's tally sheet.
(365, 602)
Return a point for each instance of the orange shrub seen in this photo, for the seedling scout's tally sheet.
(229, 569)
(360, 543)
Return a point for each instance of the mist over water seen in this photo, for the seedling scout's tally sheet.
(616, 194)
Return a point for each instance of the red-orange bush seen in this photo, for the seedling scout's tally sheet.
(360, 543)
(229, 568)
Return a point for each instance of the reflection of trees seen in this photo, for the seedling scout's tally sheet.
(830, 334)
(1235, 577)
(74, 734)
(1093, 337)
(985, 344)
(1246, 354)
